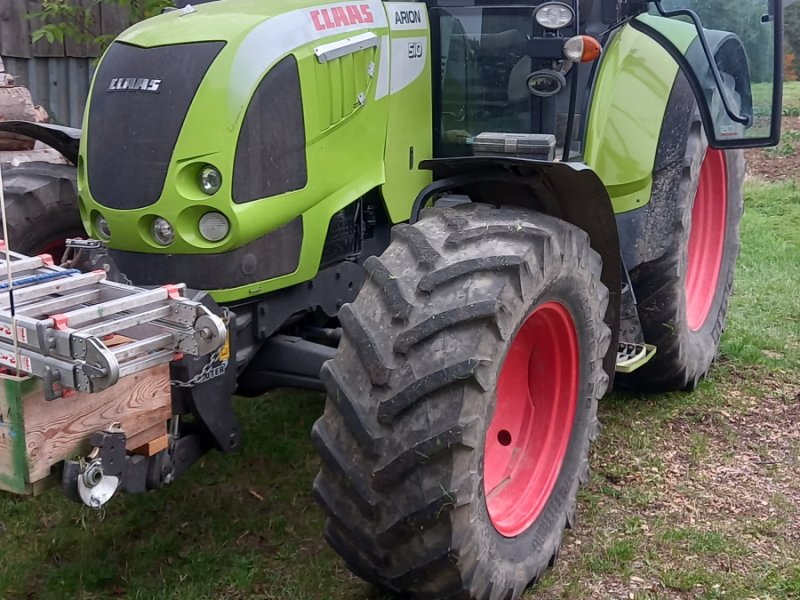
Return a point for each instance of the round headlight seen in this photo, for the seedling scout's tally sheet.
(214, 226)
(101, 225)
(210, 180)
(554, 15)
(162, 232)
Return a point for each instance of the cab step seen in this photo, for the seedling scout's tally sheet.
(632, 356)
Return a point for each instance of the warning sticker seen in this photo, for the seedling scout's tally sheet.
(10, 360)
(22, 333)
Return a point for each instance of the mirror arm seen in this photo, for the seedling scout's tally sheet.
(742, 119)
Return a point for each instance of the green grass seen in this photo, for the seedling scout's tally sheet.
(762, 98)
(650, 523)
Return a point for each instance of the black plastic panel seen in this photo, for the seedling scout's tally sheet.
(139, 102)
(273, 255)
(271, 153)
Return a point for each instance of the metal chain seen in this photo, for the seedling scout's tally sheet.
(211, 370)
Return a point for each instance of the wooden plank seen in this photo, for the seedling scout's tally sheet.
(86, 49)
(60, 429)
(145, 437)
(42, 47)
(153, 447)
(15, 35)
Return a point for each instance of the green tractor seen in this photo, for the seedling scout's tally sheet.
(464, 220)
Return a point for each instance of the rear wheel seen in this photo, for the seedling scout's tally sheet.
(462, 403)
(684, 289)
(41, 207)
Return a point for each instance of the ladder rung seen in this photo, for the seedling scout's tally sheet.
(59, 303)
(81, 316)
(23, 264)
(150, 360)
(117, 325)
(36, 291)
(131, 349)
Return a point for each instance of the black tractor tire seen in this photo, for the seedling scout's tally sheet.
(412, 392)
(687, 343)
(41, 207)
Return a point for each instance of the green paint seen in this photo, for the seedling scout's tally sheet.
(14, 427)
(628, 106)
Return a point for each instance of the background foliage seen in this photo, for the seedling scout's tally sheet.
(69, 19)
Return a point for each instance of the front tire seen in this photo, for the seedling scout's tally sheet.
(462, 403)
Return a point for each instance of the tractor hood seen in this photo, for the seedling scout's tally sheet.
(235, 85)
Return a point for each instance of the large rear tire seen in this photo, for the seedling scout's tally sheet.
(41, 207)
(462, 403)
(683, 290)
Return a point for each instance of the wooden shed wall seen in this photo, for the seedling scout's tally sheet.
(58, 74)
(16, 28)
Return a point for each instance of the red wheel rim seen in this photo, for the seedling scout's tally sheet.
(706, 238)
(536, 401)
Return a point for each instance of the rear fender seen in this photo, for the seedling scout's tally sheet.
(65, 140)
(569, 191)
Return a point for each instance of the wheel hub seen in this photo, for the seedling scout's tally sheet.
(528, 437)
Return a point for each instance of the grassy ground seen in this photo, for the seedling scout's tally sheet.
(692, 496)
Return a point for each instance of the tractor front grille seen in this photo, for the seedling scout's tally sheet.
(138, 105)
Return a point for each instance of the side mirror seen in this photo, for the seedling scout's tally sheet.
(733, 59)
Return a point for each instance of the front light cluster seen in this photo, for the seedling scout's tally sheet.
(210, 180)
(162, 231)
(554, 15)
(214, 226)
(102, 227)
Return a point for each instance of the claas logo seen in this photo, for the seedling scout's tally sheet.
(341, 16)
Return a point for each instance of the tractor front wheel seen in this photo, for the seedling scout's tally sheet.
(462, 403)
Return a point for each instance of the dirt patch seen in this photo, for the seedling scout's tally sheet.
(708, 508)
(782, 162)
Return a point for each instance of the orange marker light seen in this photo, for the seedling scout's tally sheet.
(582, 48)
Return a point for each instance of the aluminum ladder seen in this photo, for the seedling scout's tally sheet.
(80, 331)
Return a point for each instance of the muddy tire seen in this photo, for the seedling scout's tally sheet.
(683, 294)
(42, 207)
(436, 479)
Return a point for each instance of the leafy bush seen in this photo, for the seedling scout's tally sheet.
(68, 19)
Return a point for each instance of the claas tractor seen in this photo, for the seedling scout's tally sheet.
(464, 220)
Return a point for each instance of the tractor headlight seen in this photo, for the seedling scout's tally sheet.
(214, 226)
(101, 225)
(210, 180)
(163, 233)
(554, 15)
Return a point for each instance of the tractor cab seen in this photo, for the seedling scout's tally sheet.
(530, 69)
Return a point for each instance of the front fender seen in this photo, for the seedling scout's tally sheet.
(569, 191)
(627, 108)
(65, 140)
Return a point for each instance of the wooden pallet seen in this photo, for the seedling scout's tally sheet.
(36, 434)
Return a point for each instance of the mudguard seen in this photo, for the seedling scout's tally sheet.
(65, 140)
(569, 191)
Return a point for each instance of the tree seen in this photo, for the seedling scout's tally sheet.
(791, 27)
(70, 19)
